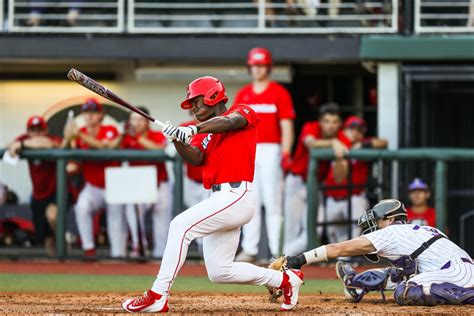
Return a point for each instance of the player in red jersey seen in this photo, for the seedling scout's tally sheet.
(322, 133)
(224, 145)
(420, 212)
(337, 199)
(273, 105)
(140, 136)
(95, 135)
(43, 179)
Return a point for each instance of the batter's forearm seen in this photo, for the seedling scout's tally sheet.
(222, 124)
(189, 153)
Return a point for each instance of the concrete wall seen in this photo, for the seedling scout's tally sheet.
(20, 99)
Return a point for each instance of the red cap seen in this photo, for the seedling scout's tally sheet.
(259, 56)
(355, 122)
(209, 87)
(92, 105)
(36, 121)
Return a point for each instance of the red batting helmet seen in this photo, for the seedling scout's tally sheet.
(209, 87)
(259, 56)
(36, 121)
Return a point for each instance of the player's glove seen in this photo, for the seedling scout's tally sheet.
(184, 133)
(286, 162)
(278, 264)
(169, 131)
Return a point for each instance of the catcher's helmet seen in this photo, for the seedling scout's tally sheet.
(384, 209)
(259, 56)
(209, 87)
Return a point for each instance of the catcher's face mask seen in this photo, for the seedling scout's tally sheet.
(368, 222)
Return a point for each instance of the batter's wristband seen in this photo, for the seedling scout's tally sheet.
(316, 255)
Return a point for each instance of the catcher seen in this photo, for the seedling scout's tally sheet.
(428, 269)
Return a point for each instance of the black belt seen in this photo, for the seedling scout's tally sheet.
(217, 187)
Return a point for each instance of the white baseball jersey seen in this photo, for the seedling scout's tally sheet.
(395, 241)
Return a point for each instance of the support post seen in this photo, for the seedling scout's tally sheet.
(178, 185)
(313, 202)
(61, 202)
(441, 195)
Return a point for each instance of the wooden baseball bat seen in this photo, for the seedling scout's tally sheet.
(91, 84)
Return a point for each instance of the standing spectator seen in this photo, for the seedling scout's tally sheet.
(95, 135)
(37, 10)
(194, 191)
(274, 107)
(43, 179)
(420, 212)
(140, 136)
(314, 134)
(337, 199)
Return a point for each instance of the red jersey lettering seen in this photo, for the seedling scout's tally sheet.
(131, 142)
(229, 157)
(272, 105)
(93, 171)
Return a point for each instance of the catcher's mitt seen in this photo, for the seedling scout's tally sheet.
(278, 264)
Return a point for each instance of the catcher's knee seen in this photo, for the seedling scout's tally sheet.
(410, 293)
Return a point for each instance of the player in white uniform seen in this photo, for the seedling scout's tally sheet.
(428, 268)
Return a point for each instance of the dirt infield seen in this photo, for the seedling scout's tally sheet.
(198, 303)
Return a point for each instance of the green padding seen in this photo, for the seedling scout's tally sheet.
(428, 47)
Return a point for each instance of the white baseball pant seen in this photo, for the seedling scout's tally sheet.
(337, 210)
(459, 273)
(218, 219)
(90, 200)
(268, 188)
(161, 214)
(296, 215)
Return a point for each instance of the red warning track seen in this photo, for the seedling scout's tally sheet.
(124, 268)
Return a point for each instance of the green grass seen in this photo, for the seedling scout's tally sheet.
(126, 283)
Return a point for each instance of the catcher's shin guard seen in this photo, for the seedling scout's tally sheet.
(410, 293)
(356, 285)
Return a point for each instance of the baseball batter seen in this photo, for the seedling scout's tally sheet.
(224, 146)
(275, 137)
(95, 135)
(428, 268)
(139, 136)
(323, 133)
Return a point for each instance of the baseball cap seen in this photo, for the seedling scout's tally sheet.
(36, 121)
(417, 184)
(92, 105)
(356, 122)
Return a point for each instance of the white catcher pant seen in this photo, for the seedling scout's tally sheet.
(296, 215)
(218, 219)
(90, 200)
(161, 214)
(268, 188)
(337, 211)
(459, 273)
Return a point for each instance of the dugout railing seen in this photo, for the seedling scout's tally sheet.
(441, 156)
(62, 156)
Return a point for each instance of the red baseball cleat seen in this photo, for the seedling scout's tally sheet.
(292, 289)
(150, 302)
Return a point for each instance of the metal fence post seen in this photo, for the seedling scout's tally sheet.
(441, 194)
(313, 202)
(61, 201)
(178, 185)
